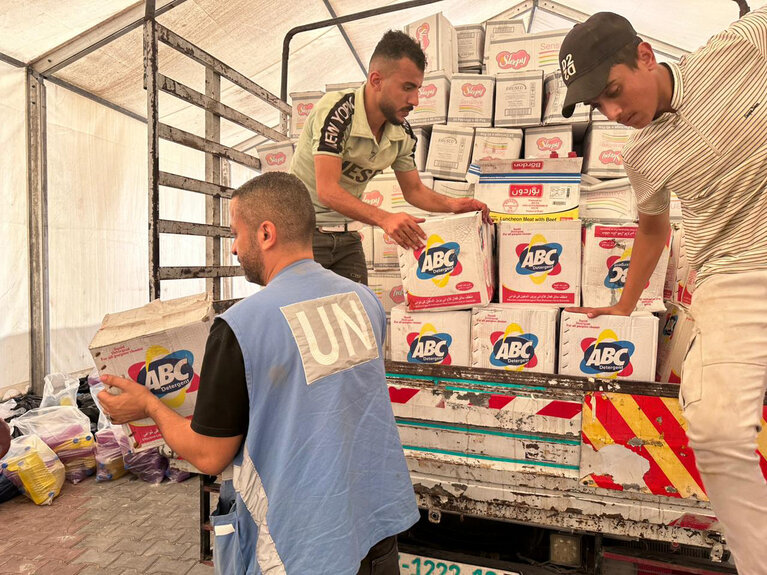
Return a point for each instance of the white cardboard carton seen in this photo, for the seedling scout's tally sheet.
(366, 236)
(453, 269)
(384, 192)
(609, 201)
(606, 257)
(542, 141)
(608, 346)
(454, 189)
(499, 30)
(685, 276)
(602, 147)
(385, 255)
(528, 190)
(388, 287)
(539, 51)
(518, 99)
(421, 148)
(540, 263)
(496, 144)
(514, 338)
(670, 284)
(438, 40)
(275, 156)
(471, 100)
(673, 340)
(303, 104)
(450, 152)
(471, 44)
(161, 346)
(433, 100)
(442, 337)
(554, 90)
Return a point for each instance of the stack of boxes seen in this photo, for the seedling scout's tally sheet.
(489, 126)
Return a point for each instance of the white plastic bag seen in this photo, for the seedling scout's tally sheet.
(59, 389)
(34, 469)
(67, 431)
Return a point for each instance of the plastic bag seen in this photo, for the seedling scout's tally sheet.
(59, 389)
(109, 458)
(176, 475)
(148, 465)
(96, 387)
(67, 431)
(34, 469)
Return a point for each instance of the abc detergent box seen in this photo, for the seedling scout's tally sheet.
(514, 338)
(540, 262)
(454, 269)
(606, 258)
(608, 346)
(677, 327)
(160, 346)
(435, 337)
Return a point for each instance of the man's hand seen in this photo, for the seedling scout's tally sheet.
(593, 312)
(5, 438)
(404, 229)
(133, 402)
(463, 205)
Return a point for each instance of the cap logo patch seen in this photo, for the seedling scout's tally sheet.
(568, 67)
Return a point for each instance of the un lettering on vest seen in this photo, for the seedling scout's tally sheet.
(332, 333)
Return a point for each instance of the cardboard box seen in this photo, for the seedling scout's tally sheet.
(471, 45)
(518, 99)
(608, 346)
(606, 258)
(533, 51)
(161, 346)
(439, 41)
(388, 287)
(387, 343)
(541, 142)
(384, 192)
(499, 30)
(433, 100)
(421, 148)
(611, 201)
(685, 276)
(602, 147)
(343, 86)
(366, 235)
(514, 338)
(528, 190)
(449, 152)
(554, 91)
(275, 156)
(670, 283)
(540, 263)
(303, 104)
(442, 337)
(471, 100)
(385, 255)
(496, 144)
(673, 341)
(675, 208)
(454, 189)
(453, 269)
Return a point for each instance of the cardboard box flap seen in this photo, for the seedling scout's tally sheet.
(155, 317)
(534, 166)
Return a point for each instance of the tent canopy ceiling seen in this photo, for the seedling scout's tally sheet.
(248, 35)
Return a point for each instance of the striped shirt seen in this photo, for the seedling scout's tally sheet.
(712, 151)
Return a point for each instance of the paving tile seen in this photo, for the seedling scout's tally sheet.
(130, 546)
(168, 549)
(131, 561)
(168, 565)
(59, 568)
(20, 564)
(61, 540)
(200, 569)
(102, 558)
(91, 570)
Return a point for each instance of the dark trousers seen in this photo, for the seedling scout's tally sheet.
(341, 252)
(382, 559)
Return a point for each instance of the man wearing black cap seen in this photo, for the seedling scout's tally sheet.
(702, 134)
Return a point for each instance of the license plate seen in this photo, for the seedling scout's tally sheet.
(422, 565)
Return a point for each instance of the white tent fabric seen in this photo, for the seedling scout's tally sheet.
(97, 165)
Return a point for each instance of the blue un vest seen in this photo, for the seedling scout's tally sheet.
(321, 477)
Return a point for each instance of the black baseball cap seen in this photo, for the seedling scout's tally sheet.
(587, 54)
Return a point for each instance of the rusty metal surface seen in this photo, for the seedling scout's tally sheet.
(194, 185)
(192, 272)
(153, 151)
(203, 145)
(193, 229)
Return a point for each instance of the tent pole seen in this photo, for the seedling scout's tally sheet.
(356, 55)
(37, 194)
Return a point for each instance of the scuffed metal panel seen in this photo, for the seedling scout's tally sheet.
(499, 450)
(638, 443)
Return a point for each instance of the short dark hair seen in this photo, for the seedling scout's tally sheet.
(628, 54)
(282, 199)
(395, 45)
